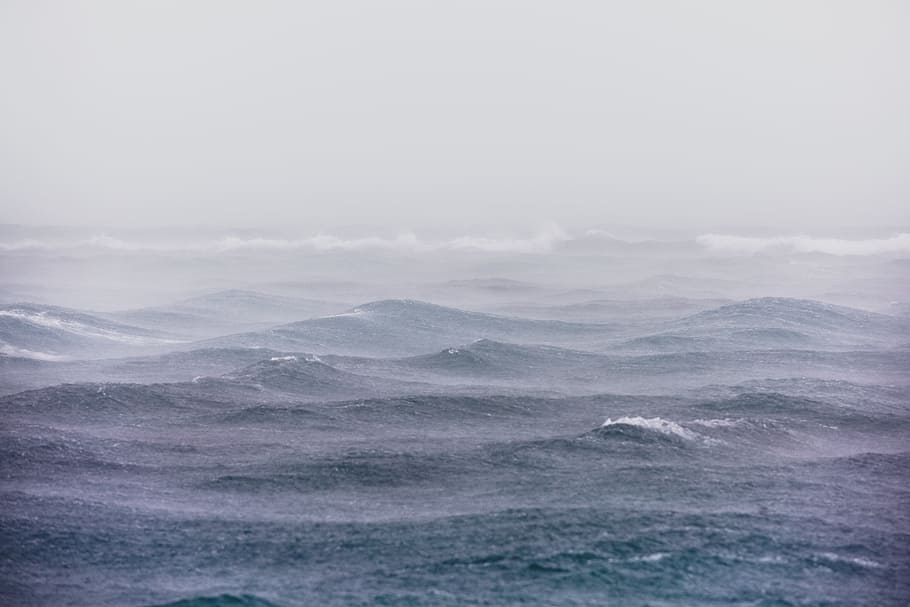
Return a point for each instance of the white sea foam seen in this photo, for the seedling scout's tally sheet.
(10, 350)
(541, 242)
(657, 424)
(650, 558)
(855, 560)
(644, 558)
(544, 241)
(354, 312)
(45, 319)
(281, 358)
(898, 244)
(716, 423)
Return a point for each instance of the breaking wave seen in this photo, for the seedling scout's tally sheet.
(655, 424)
(542, 242)
(13, 351)
(746, 245)
(48, 320)
(546, 240)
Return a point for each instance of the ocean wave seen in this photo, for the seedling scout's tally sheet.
(541, 242)
(656, 424)
(271, 414)
(550, 238)
(79, 324)
(223, 600)
(775, 411)
(717, 423)
(90, 399)
(898, 244)
(14, 352)
(358, 469)
(857, 561)
(649, 558)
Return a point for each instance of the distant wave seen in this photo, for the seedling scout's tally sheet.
(717, 423)
(542, 242)
(48, 320)
(546, 240)
(895, 245)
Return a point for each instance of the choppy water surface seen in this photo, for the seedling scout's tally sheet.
(751, 454)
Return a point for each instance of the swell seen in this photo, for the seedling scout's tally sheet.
(222, 600)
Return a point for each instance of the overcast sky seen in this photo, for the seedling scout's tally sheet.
(410, 115)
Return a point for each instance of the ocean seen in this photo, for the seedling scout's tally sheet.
(402, 453)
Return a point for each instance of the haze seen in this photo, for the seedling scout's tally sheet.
(429, 304)
(494, 115)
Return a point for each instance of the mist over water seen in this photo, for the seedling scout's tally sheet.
(111, 269)
(562, 417)
(416, 303)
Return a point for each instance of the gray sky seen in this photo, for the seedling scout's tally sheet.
(490, 114)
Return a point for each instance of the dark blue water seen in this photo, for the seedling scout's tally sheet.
(292, 482)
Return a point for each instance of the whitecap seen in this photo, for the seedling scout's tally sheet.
(354, 312)
(657, 424)
(717, 423)
(898, 244)
(644, 558)
(650, 558)
(13, 351)
(854, 560)
(45, 319)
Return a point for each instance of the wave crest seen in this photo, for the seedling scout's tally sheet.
(656, 424)
(898, 244)
(541, 242)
